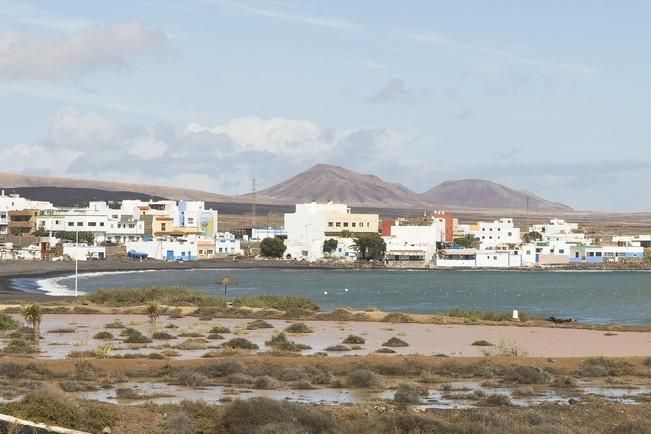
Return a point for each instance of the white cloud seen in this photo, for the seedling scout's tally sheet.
(286, 15)
(393, 89)
(221, 158)
(29, 56)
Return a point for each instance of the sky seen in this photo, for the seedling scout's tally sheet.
(552, 97)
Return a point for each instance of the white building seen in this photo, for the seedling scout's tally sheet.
(414, 243)
(560, 231)
(106, 224)
(14, 202)
(472, 258)
(494, 234)
(166, 249)
(309, 226)
(193, 214)
(633, 240)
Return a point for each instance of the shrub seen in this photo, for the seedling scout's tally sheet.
(239, 343)
(84, 371)
(341, 314)
(564, 382)
(192, 344)
(338, 347)
(397, 317)
(258, 324)
(240, 378)
(54, 408)
(602, 367)
(409, 393)
(280, 342)
(263, 415)
(526, 375)
(221, 369)
(7, 322)
(179, 423)
(220, 329)
(298, 327)
(496, 401)
(352, 339)
(363, 378)
(174, 296)
(395, 342)
(134, 337)
(192, 378)
(171, 326)
(266, 382)
(214, 336)
(482, 343)
(278, 302)
(104, 336)
(163, 336)
(18, 346)
(385, 351)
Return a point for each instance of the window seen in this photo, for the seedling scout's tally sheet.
(56, 222)
(598, 254)
(101, 224)
(221, 250)
(92, 223)
(561, 251)
(190, 220)
(80, 223)
(209, 252)
(330, 224)
(338, 224)
(131, 225)
(353, 224)
(201, 252)
(510, 234)
(163, 226)
(345, 224)
(71, 224)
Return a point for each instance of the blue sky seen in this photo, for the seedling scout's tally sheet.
(546, 96)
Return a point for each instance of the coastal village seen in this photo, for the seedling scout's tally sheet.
(185, 230)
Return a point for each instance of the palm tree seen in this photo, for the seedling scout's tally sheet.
(32, 313)
(153, 311)
(226, 282)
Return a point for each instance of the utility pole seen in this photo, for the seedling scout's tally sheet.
(527, 213)
(252, 205)
(76, 261)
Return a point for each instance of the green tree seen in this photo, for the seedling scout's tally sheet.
(346, 234)
(467, 241)
(272, 247)
(370, 246)
(32, 314)
(330, 245)
(531, 237)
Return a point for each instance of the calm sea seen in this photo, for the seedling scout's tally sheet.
(594, 297)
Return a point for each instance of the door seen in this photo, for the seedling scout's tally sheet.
(170, 255)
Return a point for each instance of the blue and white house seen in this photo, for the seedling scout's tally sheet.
(601, 254)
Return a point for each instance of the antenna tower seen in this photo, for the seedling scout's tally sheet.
(253, 203)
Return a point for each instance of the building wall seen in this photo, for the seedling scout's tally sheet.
(166, 250)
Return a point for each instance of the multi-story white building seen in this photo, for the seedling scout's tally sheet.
(14, 202)
(560, 231)
(106, 224)
(192, 214)
(413, 243)
(493, 234)
(309, 226)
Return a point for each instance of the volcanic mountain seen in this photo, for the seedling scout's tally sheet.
(323, 183)
(478, 193)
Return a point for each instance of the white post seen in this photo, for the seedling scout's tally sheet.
(76, 261)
